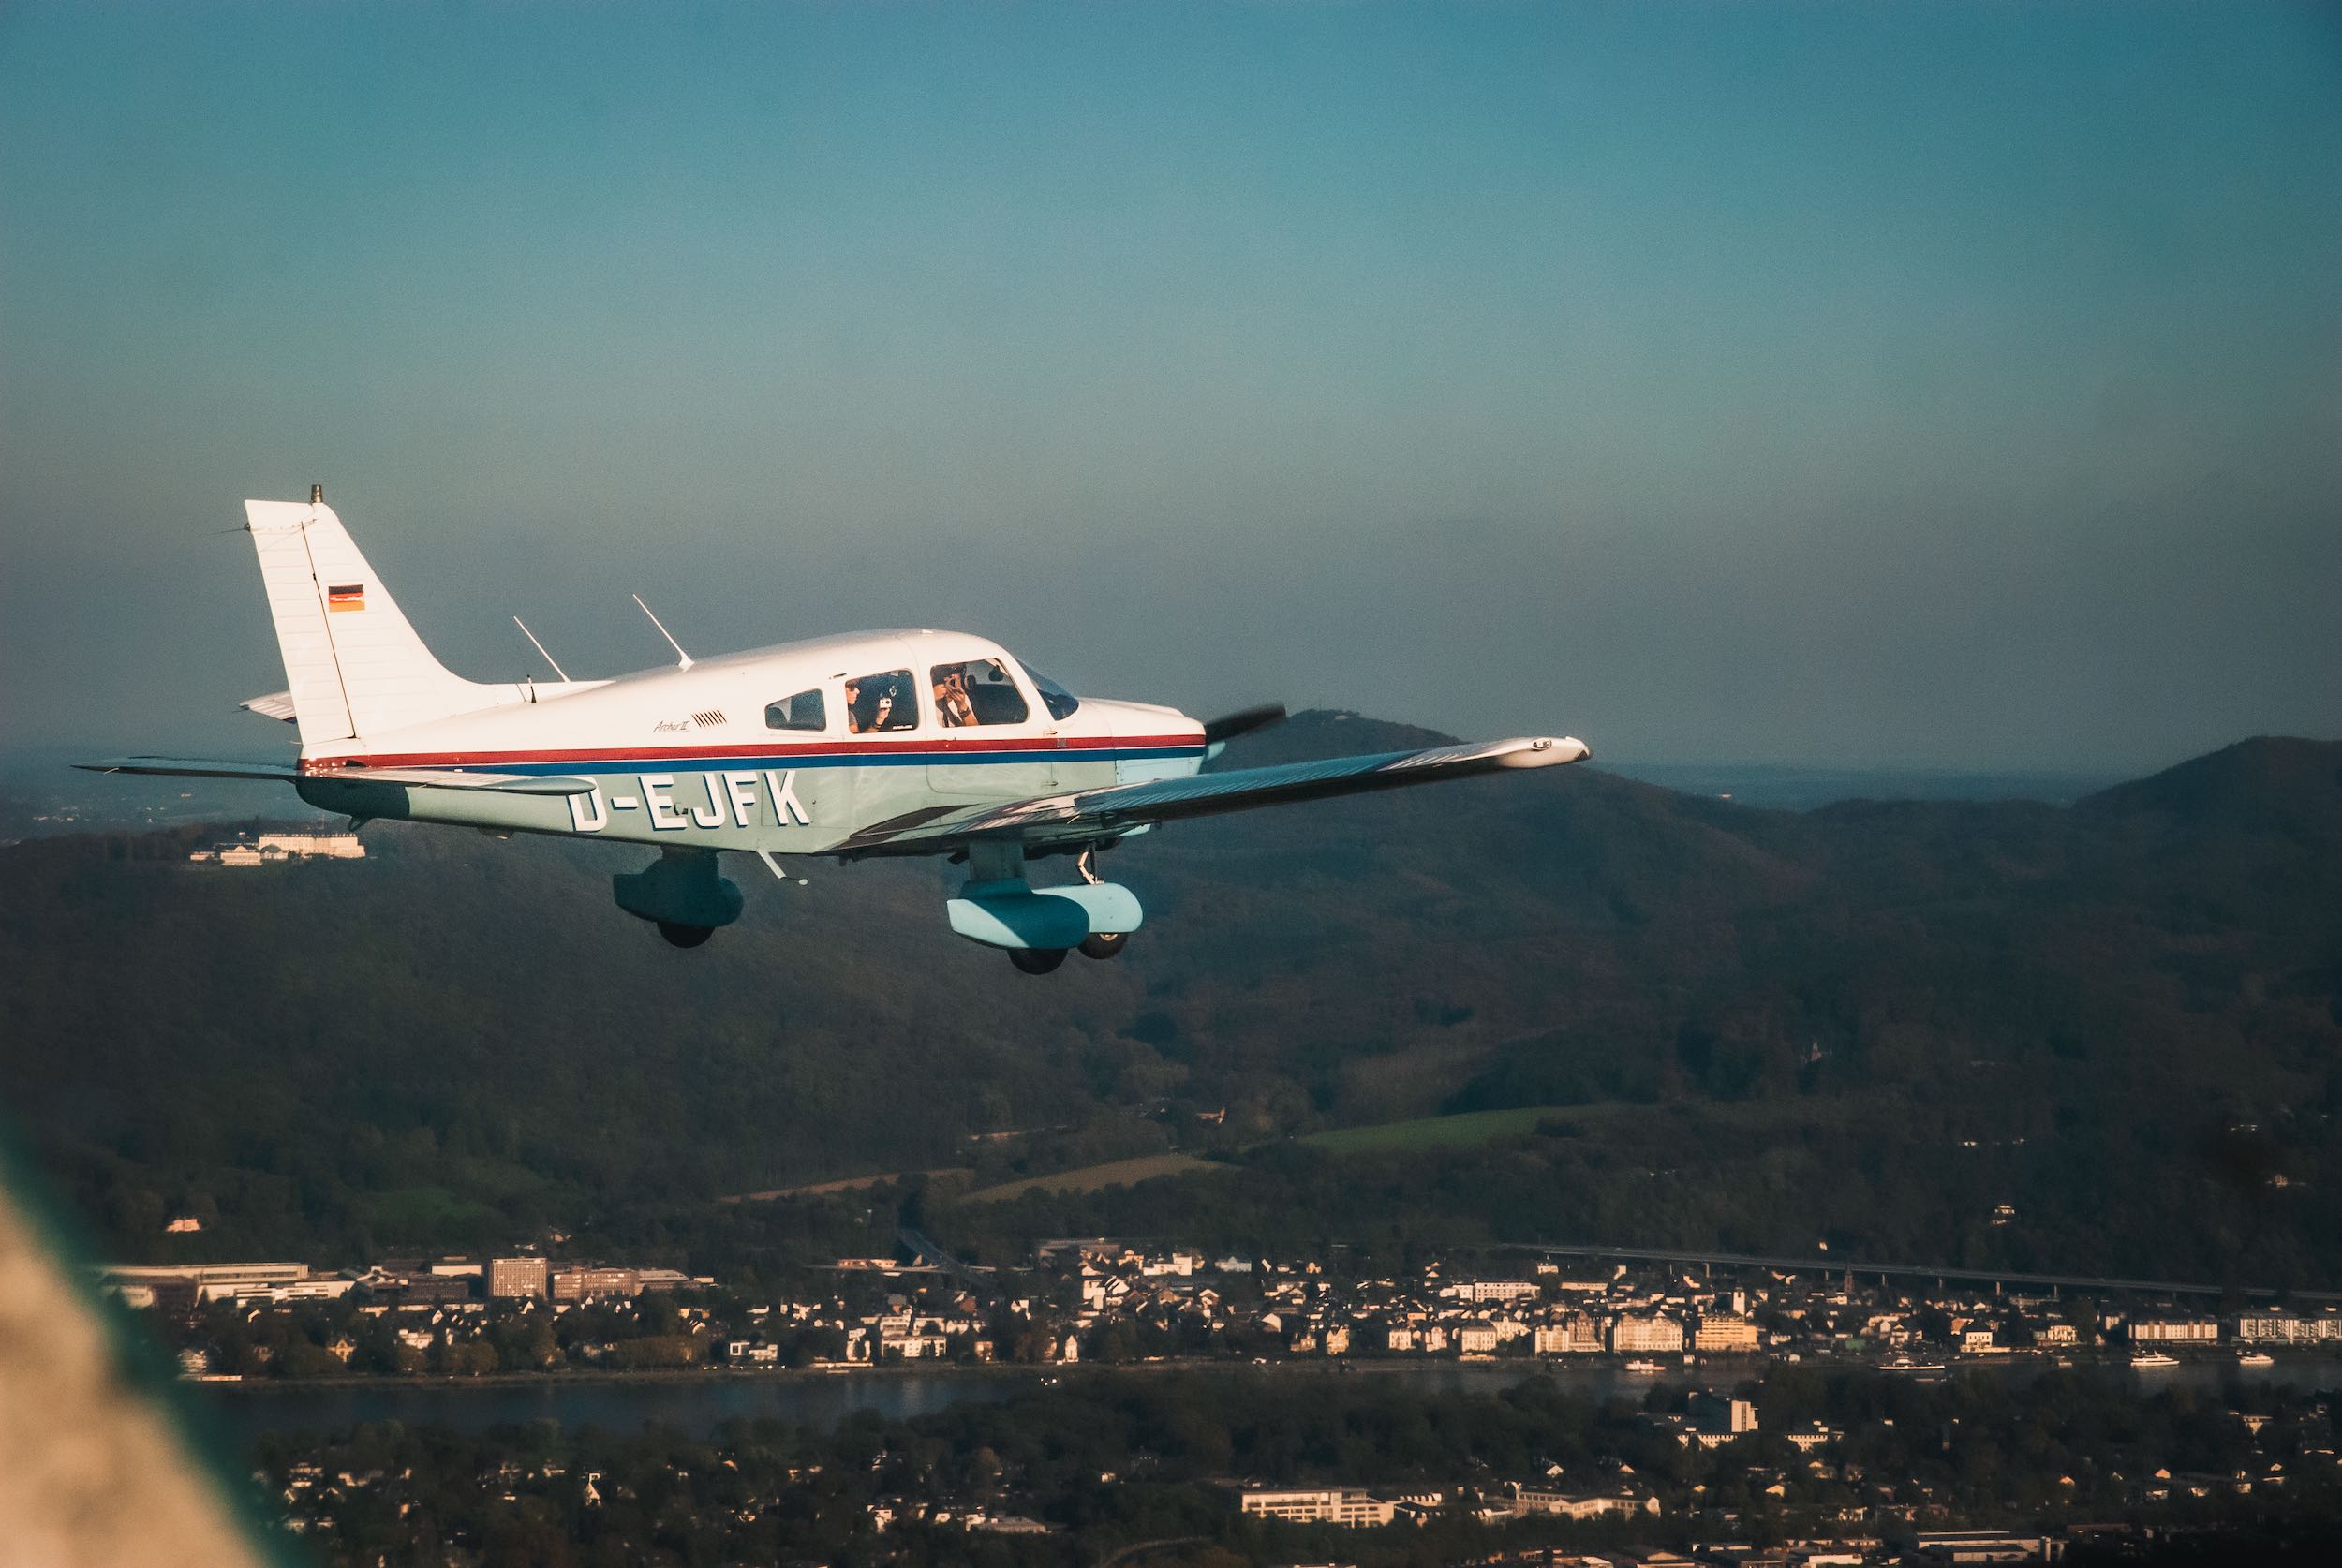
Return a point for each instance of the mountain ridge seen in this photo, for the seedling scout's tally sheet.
(455, 1043)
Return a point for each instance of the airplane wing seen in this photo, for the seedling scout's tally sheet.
(441, 778)
(1091, 815)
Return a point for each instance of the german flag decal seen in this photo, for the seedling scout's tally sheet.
(347, 596)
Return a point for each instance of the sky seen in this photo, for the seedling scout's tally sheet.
(1869, 384)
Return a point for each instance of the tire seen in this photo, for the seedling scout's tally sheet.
(1036, 960)
(685, 936)
(1106, 944)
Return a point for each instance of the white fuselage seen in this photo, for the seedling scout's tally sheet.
(788, 749)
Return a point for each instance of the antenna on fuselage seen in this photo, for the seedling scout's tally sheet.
(540, 648)
(683, 661)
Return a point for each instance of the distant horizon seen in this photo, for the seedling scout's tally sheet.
(1929, 385)
(65, 752)
(36, 775)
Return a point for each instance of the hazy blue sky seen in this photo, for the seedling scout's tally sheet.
(1836, 384)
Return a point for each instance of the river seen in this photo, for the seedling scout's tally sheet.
(702, 1404)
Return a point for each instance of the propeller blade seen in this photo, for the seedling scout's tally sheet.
(1242, 723)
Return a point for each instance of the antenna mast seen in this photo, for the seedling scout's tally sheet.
(540, 648)
(683, 661)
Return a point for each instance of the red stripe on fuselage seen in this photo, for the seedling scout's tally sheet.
(800, 748)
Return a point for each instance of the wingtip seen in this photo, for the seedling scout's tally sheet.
(1547, 751)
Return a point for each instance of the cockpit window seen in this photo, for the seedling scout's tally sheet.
(977, 692)
(804, 711)
(1060, 701)
(875, 703)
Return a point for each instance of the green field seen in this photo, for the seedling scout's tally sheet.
(1466, 1129)
(1092, 1178)
(1472, 1128)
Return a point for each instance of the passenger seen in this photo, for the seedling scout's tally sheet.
(951, 698)
(881, 702)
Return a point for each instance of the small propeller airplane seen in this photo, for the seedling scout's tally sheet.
(876, 742)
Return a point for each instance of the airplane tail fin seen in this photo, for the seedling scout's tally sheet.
(354, 664)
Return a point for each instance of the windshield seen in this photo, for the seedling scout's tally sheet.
(1060, 701)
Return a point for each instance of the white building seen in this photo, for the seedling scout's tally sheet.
(2174, 1331)
(1348, 1506)
(276, 848)
(1634, 1334)
(1537, 1499)
(1723, 1334)
(1576, 1335)
(2284, 1328)
(1477, 1290)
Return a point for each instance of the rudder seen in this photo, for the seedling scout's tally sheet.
(353, 663)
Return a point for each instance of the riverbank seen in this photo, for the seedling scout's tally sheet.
(702, 1403)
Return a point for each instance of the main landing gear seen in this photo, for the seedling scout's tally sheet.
(1044, 960)
(681, 893)
(1038, 927)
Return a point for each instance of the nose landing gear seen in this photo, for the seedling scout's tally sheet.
(1098, 944)
(1036, 960)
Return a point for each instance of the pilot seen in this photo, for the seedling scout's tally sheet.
(951, 699)
(869, 704)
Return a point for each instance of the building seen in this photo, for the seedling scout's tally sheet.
(1476, 1338)
(1723, 1334)
(1717, 1416)
(2174, 1331)
(428, 1289)
(593, 1284)
(1576, 1335)
(2284, 1328)
(1477, 1290)
(1348, 1506)
(324, 846)
(1976, 1545)
(1527, 1501)
(186, 1284)
(1634, 1335)
(274, 848)
(519, 1278)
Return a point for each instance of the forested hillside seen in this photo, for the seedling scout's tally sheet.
(1873, 1022)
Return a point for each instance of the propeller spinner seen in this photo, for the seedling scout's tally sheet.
(1218, 732)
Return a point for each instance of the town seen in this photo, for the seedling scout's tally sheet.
(1718, 1367)
(1106, 1300)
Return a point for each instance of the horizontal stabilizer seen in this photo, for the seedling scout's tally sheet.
(276, 704)
(437, 778)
